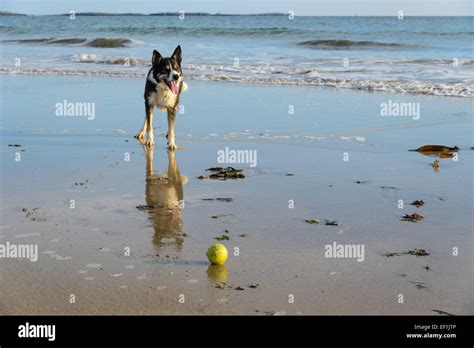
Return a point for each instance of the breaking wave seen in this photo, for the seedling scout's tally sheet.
(117, 60)
(265, 75)
(109, 42)
(101, 42)
(349, 44)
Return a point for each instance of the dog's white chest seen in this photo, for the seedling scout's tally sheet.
(162, 98)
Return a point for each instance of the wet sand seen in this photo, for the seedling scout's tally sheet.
(96, 163)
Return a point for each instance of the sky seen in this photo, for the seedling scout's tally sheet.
(300, 7)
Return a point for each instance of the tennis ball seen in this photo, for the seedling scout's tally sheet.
(217, 254)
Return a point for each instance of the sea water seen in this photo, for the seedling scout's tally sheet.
(420, 55)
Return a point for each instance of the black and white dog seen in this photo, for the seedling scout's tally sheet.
(164, 85)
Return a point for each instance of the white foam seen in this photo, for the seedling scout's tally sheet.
(27, 235)
(93, 265)
(261, 75)
(114, 60)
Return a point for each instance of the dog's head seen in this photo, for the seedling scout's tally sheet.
(168, 70)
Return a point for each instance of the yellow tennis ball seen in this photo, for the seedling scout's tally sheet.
(217, 254)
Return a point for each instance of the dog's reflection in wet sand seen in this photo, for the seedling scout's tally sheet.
(164, 200)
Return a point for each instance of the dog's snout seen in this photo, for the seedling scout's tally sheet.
(175, 76)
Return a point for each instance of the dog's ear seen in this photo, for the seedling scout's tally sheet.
(177, 54)
(156, 57)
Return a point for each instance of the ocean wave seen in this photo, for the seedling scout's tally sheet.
(255, 31)
(274, 69)
(303, 78)
(109, 42)
(50, 41)
(403, 87)
(248, 69)
(116, 60)
(207, 31)
(349, 44)
(433, 62)
(101, 42)
(449, 33)
(14, 30)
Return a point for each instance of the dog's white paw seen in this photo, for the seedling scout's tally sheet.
(172, 146)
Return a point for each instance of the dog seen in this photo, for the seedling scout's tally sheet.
(164, 84)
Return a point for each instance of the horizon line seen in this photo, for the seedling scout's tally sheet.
(172, 13)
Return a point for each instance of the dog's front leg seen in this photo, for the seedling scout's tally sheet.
(141, 133)
(149, 121)
(171, 125)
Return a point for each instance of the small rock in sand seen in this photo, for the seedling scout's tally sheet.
(221, 215)
(224, 173)
(223, 237)
(418, 252)
(332, 223)
(223, 199)
(436, 148)
(418, 203)
(437, 151)
(413, 217)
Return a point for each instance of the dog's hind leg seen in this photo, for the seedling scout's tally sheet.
(141, 133)
(171, 125)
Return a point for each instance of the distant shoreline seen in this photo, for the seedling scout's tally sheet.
(93, 14)
(195, 14)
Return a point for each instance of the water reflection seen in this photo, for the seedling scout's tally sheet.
(217, 273)
(164, 202)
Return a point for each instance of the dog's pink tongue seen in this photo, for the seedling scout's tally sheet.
(174, 87)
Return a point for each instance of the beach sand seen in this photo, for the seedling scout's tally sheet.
(88, 176)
